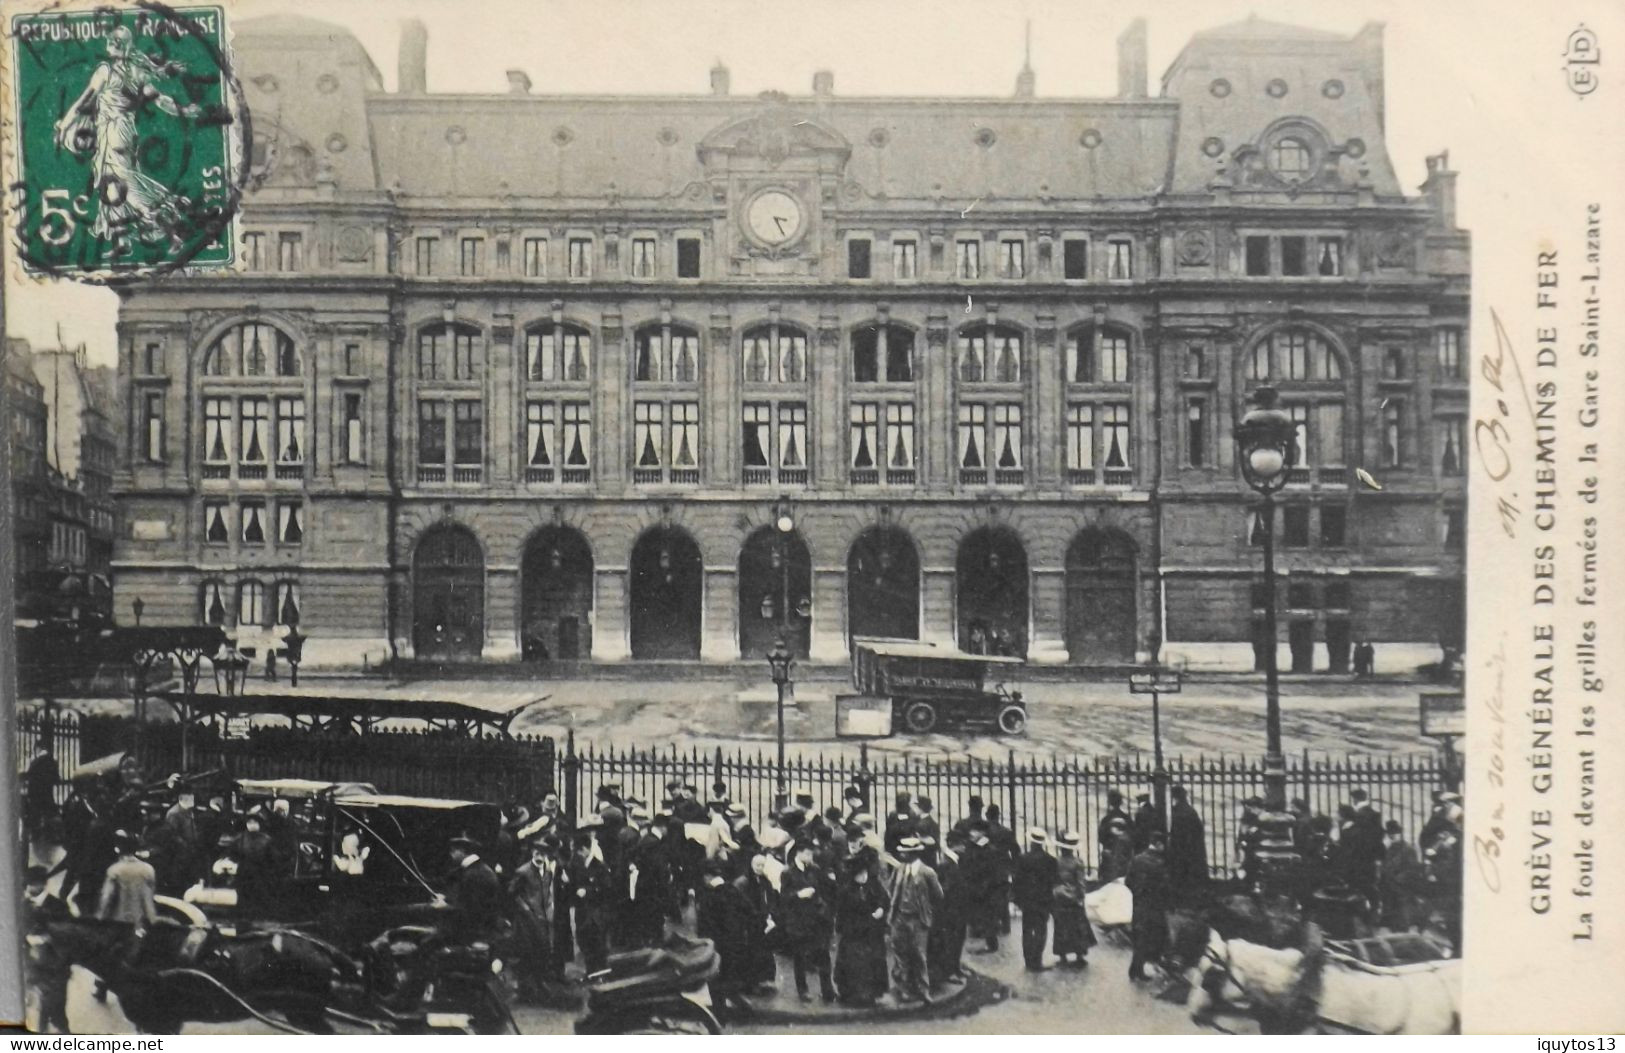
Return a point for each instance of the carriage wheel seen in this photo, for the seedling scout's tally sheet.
(1012, 720)
(920, 717)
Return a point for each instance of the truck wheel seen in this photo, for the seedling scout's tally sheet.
(1012, 720)
(920, 717)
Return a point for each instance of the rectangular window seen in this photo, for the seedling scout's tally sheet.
(1080, 441)
(756, 359)
(290, 523)
(471, 263)
(793, 436)
(253, 513)
(1296, 345)
(1196, 433)
(1075, 259)
(251, 603)
(1007, 437)
(648, 435)
(1454, 531)
(351, 363)
(425, 255)
(468, 432)
(285, 603)
(542, 352)
(354, 430)
(431, 432)
(1114, 436)
(863, 435)
(1337, 595)
(1012, 258)
(1393, 434)
(757, 438)
(1006, 358)
(580, 258)
(643, 257)
(685, 359)
(152, 360)
(792, 358)
(969, 267)
(1294, 252)
(1299, 455)
(539, 425)
(254, 250)
(1114, 359)
(1449, 354)
(973, 358)
(904, 260)
(290, 430)
(535, 257)
(577, 441)
(290, 249)
(1258, 256)
(214, 607)
(857, 258)
(216, 431)
(685, 436)
(215, 529)
(1080, 359)
(688, 257)
(1328, 432)
(152, 426)
(1452, 445)
(255, 417)
(1196, 361)
(1329, 262)
(1120, 259)
(899, 438)
(1300, 595)
(972, 436)
(1334, 522)
(504, 256)
(1295, 526)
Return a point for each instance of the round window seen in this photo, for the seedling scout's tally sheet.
(1276, 88)
(1332, 89)
(1219, 88)
(1213, 146)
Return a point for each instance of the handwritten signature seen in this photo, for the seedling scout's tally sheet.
(1491, 436)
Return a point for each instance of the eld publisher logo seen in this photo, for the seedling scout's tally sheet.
(1581, 57)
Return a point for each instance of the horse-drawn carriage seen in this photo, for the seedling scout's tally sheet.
(927, 688)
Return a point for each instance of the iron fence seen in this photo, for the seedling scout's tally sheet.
(59, 728)
(1055, 794)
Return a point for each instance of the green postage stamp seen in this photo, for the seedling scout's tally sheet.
(128, 134)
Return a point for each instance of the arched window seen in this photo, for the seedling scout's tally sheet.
(1098, 355)
(558, 351)
(883, 353)
(774, 353)
(449, 352)
(1293, 355)
(666, 353)
(211, 603)
(989, 354)
(253, 349)
(1291, 157)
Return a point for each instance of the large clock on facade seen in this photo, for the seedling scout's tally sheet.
(775, 218)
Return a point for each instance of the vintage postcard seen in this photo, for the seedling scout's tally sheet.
(831, 518)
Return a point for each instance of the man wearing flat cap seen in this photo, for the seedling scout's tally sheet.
(129, 888)
(916, 897)
(1032, 890)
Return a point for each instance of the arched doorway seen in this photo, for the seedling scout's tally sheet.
(555, 582)
(775, 593)
(991, 583)
(448, 594)
(1100, 584)
(883, 585)
(667, 579)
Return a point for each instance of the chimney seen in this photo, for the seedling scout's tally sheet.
(412, 77)
(1439, 188)
(719, 79)
(1131, 61)
(824, 83)
(518, 82)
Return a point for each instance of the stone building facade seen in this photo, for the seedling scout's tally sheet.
(665, 377)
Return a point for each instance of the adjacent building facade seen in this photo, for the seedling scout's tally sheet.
(667, 377)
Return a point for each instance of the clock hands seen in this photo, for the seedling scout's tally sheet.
(780, 220)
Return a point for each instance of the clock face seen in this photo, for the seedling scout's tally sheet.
(774, 217)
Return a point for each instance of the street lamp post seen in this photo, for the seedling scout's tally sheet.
(1264, 442)
(780, 660)
(294, 651)
(1155, 682)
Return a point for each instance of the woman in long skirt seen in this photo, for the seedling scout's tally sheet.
(860, 922)
(1073, 936)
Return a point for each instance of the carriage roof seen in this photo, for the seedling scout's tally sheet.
(888, 648)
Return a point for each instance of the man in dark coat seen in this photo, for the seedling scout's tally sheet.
(724, 917)
(474, 891)
(652, 899)
(1033, 891)
(39, 785)
(1006, 850)
(534, 891)
(1147, 820)
(900, 823)
(947, 945)
(1114, 811)
(1148, 882)
(592, 894)
(1187, 843)
(806, 913)
(925, 823)
(985, 879)
(915, 898)
(963, 826)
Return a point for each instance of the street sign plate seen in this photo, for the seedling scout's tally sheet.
(1162, 681)
(236, 727)
(1444, 713)
(862, 717)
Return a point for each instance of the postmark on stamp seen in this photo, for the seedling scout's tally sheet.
(130, 134)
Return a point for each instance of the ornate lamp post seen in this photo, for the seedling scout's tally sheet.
(294, 651)
(1264, 443)
(780, 660)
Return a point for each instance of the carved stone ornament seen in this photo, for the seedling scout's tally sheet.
(1195, 248)
(774, 133)
(1394, 249)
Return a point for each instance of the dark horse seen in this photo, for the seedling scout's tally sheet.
(176, 973)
